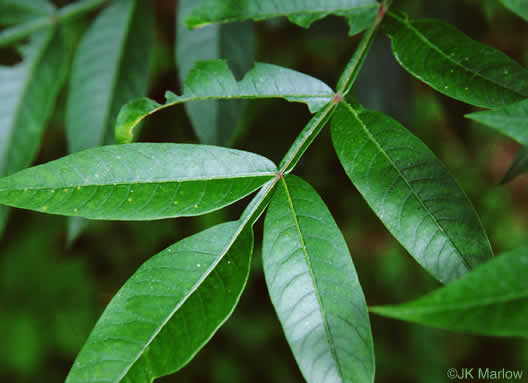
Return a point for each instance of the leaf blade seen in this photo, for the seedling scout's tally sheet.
(411, 192)
(264, 81)
(360, 13)
(455, 65)
(500, 297)
(510, 120)
(209, 267)
(517, 6)
(314, 287)
(111, 66)
(215, 122)
(29, 92)
(138, 181)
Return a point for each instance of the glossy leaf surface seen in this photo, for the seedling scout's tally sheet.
(215, 122)
(455, 65)
(359, 13)
(491, 300)
(411, 191)
(511, 120)
(168, 309)
(111, 67)
(213, 80)
(138, 181)
(29, 91)
(520, 7)
(314, 287)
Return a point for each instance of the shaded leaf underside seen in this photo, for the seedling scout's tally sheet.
(314, 287)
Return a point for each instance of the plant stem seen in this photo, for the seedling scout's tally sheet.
(353, 67)
(347, 79)
(69, 12)
(306, 137)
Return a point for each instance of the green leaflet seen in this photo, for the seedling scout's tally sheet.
(213, 80)
(20, 11)
(520, 7)
(28, 93)
(215, 122)
(510, 120)
(455, 65)
(491, 300)
(518, 167)
(138, 181)
(411, 191)
(168, 310)
(314, 287)
(359, 13)
(111, 66)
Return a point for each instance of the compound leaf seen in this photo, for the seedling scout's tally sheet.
(314, 287)
(490, 300)
(29, 92)
(510, 120)
(518, 7)
(359, 13)
(215, 121)
(169, 309)
(138, 181)
(213, 80)
(455, 65)
(111, 67)
(411, 191)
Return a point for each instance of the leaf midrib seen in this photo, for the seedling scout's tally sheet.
(450, 59)
(482, 303)
(329, 336)
(411, 188)
(220, 177)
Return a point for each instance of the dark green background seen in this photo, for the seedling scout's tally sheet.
(51, 294)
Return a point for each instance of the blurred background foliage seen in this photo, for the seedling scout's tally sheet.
(52, 290)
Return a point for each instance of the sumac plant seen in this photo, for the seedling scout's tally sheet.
(174, 303)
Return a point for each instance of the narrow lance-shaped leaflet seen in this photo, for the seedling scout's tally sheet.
(314, 287)
(213, 80)
(139, 181)
(359, 13)
(496, 291)
(411, 191)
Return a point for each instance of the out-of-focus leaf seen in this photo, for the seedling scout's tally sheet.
(138, 181)
(359, 13)
(490, 300)
(111, 67)
(519, 7)
(169, 309)
(19, 11)
(518, 167)
(314, 287)
(213, 80)
(215, 122)
(411, 191)
(455, 65)
(29, 92)
(511, 120)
